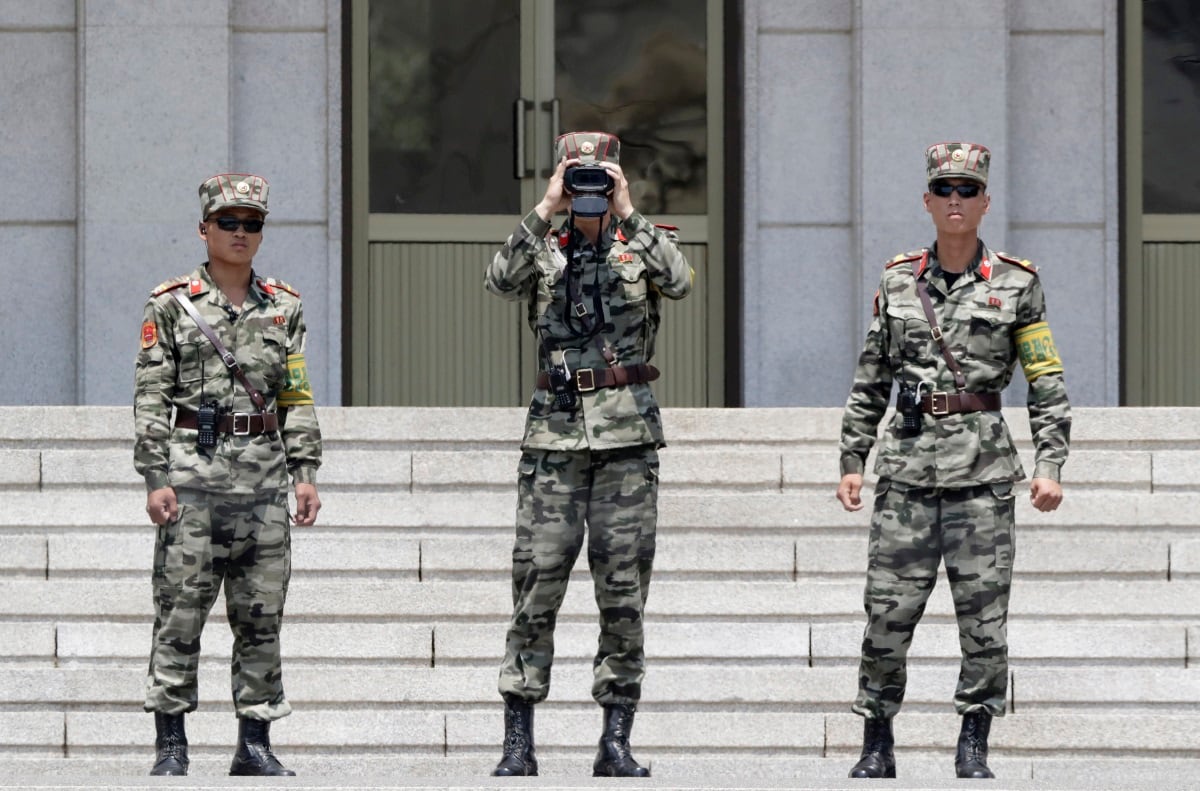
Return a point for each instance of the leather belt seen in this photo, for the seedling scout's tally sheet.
(239, 424)
(586, 380)
(943, 403)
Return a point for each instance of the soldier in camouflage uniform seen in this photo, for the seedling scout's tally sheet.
(221, 503)
(947, 466)
(590, 455)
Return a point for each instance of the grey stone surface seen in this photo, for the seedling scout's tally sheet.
(31, 301)
(801, 123)
(23, 555)
(277, 14)
(21, 468)
(825, 15)
(1176, 469)
(26, 640)
(48, 13)
(39, 71)
(1072, 15)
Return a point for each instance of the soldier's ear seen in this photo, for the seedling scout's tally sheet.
(203, 230)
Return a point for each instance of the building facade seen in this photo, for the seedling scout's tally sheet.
(784, 137)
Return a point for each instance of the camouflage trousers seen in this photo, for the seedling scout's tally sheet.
(240, 542)
(614, 495)
(912, 531)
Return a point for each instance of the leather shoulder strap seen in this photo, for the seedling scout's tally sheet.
(960, 381)
(227, 357)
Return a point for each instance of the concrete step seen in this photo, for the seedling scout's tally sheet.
(714, 468)
(707, 600)
(113, 734)
(751, 688)
(1164, 644)
(680, 554)
(568, 770)
(1175, 514)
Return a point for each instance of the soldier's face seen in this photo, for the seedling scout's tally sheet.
(237, 246)
(954, 213)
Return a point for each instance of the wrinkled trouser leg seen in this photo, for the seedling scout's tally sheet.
(912, 529)
(215, 538)
(978, 542)
(622, 520)
(560, 495)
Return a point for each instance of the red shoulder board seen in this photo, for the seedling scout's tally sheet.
(667, 227)
(169, 285)
(903, 258)
(1024, 263)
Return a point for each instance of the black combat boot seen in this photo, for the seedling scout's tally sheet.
(971, 759)
(613, 758)
(518, 759)
(254, 757)
(877, 759)
(170, 745)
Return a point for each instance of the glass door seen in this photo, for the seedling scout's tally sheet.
(456, 104)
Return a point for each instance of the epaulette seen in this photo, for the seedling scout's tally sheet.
(666, 227)
(1024, 263)
(912, 255)
(269, 284)
(168, 285)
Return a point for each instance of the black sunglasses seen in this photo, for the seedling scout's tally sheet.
(231, 224)
(944, 190)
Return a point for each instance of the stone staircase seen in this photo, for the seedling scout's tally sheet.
(400, 596)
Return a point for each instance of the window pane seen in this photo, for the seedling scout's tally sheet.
(1171, 121)
(443, 78)
(639, 70)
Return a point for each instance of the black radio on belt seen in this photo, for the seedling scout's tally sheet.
(908, 404)
(206, 424)
(560, 385)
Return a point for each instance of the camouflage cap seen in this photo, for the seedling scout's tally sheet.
(233, 189)
(957, 160)
(588, 147)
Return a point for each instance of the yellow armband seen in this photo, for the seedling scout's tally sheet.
(1038, 355)
(298, 391)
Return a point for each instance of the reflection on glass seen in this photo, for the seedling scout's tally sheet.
(638, 70)
(1171, 115)
(443, 77)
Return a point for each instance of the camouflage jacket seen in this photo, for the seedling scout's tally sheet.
(992, 317)
(626, 277)
(178, 366)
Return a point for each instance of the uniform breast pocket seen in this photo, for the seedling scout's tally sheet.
(991, 335)
(631, 281)
(275, 352)
(911, 338)
(196, 359)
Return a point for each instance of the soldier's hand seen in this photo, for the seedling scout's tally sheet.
(307, 504)
(556, 198)
(620, 200)
(849, 491)
(1045, 494)
(162, 506)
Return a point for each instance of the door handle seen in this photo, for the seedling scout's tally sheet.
(521, 169)
(553, 106)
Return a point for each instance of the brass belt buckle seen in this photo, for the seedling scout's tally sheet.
(591, 380)
(939, 404)
(245, 430)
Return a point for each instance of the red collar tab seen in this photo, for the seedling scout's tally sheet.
(195, 287)
(920, 268)
(621, 235)
(985, 268)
